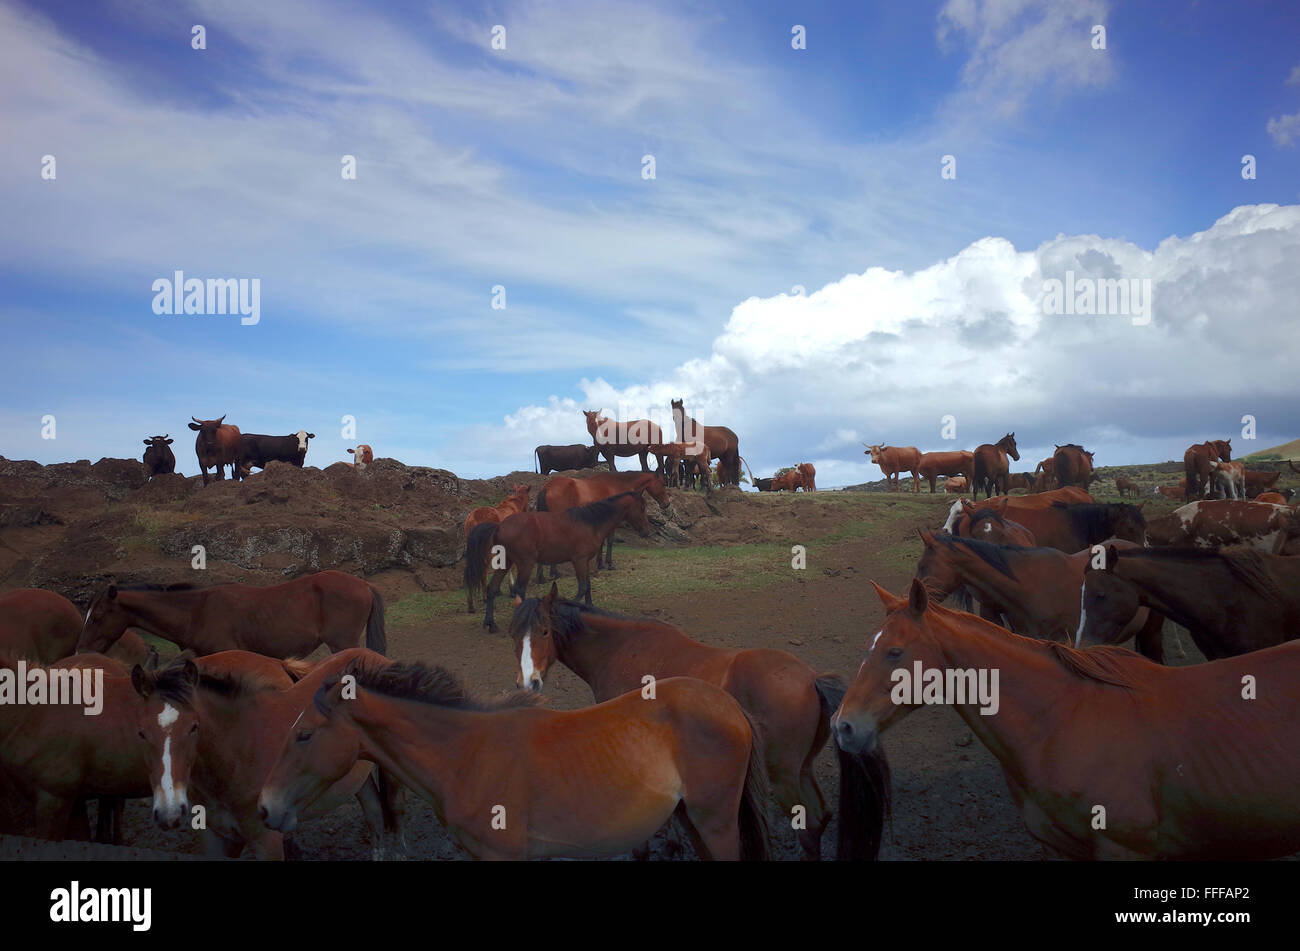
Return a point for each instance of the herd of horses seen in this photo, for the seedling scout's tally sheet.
(1184, 762)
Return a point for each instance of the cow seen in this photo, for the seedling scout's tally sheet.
(956, 484)
(1258, 481)
(1073, 466)
(1196, 464)
(363, 456)
(809, 476)
(1171, 491)
(1126, 486)
(1272, 498)
(256, 450)
(955, 463)
(158, 458)
(1212, 523)
(1227, 479)
(764, 485)
(787, 481)
(215, 445)
(564, 458)
(895, 459)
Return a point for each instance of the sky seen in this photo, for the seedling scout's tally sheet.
(854, 219)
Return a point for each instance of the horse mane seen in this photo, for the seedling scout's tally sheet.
(1093, 519)
(151, 586)
(171, 681)
(1072, 445)
(435, 686)
(981, 514)
(1105, 663)
(233, 684)
(596, 513)
(992, 555)
(1246, 565)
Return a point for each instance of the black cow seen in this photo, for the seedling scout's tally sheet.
(560, 458)
(257, 450)
(763, 485)
(159, 458)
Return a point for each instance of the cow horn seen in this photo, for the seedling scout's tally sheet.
(196, 419)
(222, 419)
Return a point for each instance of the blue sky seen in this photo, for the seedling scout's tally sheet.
(522, 168)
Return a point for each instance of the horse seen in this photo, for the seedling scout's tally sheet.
(956, 484)
(1034, 591)
(683, 461)
(1020, 480)
(934, 464)
(989, 523)
(789, 700)
(281, 620)
(1045, 475)
(1258, 481)
(1212, 523)
(38, 625)
(1227, 479)
(990, 466)
(893, 460)
(566, 492)
(724, 445)
(632, 438)
(53, 756)
(1126, 486)
(531, 538)
(1069, 527)
(215, 725)
(1196, 464)
(809, 473)
(1230, 601)
(1073, 466)
(512, 781)
(512, 504)
(1183, 766)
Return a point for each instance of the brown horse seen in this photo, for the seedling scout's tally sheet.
(990, 467)
(683, 462)
(531, 538)
(54, 755)
(1034, 591)
(1072, 527)
(957, 522)
(1020, 480)
(1073, 466)
(1231, 602)
(1045, 475)
(1196, 464)
(512, 504)
(636, 437)
(564, 492)
(1258, 481)
(958, 463)
(1126, 486)
(956, 484)
(215, 727)
(790, 701)
(281, 620)
(724, 445)
(511, 781)
(893, 460)
(989, 523)
(1184, 767)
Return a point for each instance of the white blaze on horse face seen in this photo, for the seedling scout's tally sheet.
(873, 642)
(526, 670)
(952, 516)
(166, 719)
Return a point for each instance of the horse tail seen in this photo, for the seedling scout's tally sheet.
(376, 638)
(864, 785)
(978, 474)
(476, 549)
(755, 834)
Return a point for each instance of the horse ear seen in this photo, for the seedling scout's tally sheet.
(190, 672)
(927, 537)
(140, 682)
(918, 599)
(888, 600)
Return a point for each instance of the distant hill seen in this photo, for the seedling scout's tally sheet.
(1288, 450)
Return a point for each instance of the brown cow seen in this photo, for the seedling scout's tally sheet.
(809, 476)
(787, 481)
(1196, 464)
(895, 459)
(1258, 481)
(724, 445)
(1172, 491)
(1271, 498)
(956, 484)
(363, 456)
(1212, 523)
(1073, 466)
(958, 463)
(631, 438)
(215, 445)
(1126, 486)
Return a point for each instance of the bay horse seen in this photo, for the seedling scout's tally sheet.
(1258, 481)
(894, 460)
(512, 781)
(282, 620)
(683, 462)
(1072, 527)
(990, 523)
(531, 538)
(1183, 765)
(53, 756)
(990, 467)
(957, 522)
(1036, 591)
(1196, 464)
(724, 445)
(214, 726)
(1073, 466)
(1126, 486)
(566, 492)
(789, 701)
(636, 437)
(1020, 480)
(957, 463)
(512, 504)
(43, 626)
(1045, 475)
(1231, 601)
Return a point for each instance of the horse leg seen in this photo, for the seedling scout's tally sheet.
(609, 553)
(715, 835)
(217, 845)
(582, 568)
(1150, 641)
(377, 810)
(494, 588)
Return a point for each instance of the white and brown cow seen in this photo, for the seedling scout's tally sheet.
(362, 455)
(1227, 479)
(1213, 523)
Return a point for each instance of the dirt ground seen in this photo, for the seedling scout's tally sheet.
(950, 800)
